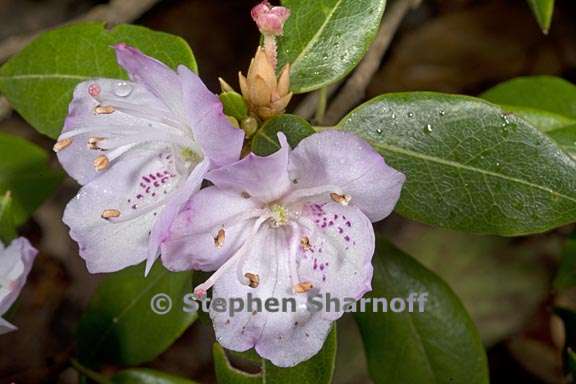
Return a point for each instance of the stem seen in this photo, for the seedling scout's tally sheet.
(321, 105)
(94, 376)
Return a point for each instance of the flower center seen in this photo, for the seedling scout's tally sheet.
(279, 215)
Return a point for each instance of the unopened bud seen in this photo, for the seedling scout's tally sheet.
(270, 20)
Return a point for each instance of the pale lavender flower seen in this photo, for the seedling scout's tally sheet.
(140, 148)
(288, 225)
(15, 263)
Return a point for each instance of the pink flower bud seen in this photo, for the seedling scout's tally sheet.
(270, 20)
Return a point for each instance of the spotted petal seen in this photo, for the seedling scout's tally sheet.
(285, 338)
(346, 161)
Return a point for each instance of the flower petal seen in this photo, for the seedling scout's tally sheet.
(15, 264)
(338, 257)
(264, 178)
(219, 140)
(135, 113)
(6, 327)
(161, 80)
(192, 243)
(344, 160)
(131, 194)
(285, 338)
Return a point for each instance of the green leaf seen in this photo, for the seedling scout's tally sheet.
(566, 276)
(543, 10)
(7, 226)
(565, 138)
(485, 272)
(147, 376)
(227, 374)
(120, 326)
(469, 165)
(325, 40)
(438, 345)
(544, 93)
(234, 105)
(265, 141)
(39, 81)
(24, 171)
(317, 370)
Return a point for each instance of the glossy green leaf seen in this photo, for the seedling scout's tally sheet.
(566, 276)
(469, 165)
(545, 93)
(565, 138)
(120, 326)
(485, 272)
(227, 374)
(25, 172)
(265, 141)
(324, 40)
(317, 370)
(7, 226)
(543, 10)
(147, 376)
(39, 81)
(234, 105)
(438, 345)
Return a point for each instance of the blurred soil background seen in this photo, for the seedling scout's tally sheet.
(458, 46)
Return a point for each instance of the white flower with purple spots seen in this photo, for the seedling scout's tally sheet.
(288, 225)
(15, 263)
(140, 148)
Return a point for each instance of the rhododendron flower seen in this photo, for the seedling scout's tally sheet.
(288, 225)
(140, 148)
(15, 263)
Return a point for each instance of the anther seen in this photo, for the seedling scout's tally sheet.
(93, 142)
(101, 163)
(219, 239)
(343, 199)
(253, 279)
(62, 144)
(108, 214)
(305, 243)
(103, 110)
(303, 287)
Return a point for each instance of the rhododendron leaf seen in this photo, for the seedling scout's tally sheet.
(543, 11)
(24, 171)
(325, 40)
(120, 326)
(438, 345)
(39, 80)
(469, 165)
(547, 102)
(265, 141)
(7, 226)
(234, 105)
(227, 374)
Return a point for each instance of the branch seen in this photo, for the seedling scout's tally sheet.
(354, 90)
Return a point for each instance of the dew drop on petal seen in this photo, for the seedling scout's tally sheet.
(123, 89)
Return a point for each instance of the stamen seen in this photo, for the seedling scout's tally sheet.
(101, 163)
(93, 143)
(200, 290)
(253, 278)
(219, 239)
(305, 243)
(104, 110)
(108, 214)
(342, 199)
(309, 192)
(62, 144)
(303, 287)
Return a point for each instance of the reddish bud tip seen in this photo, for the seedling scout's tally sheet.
(270, 20)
